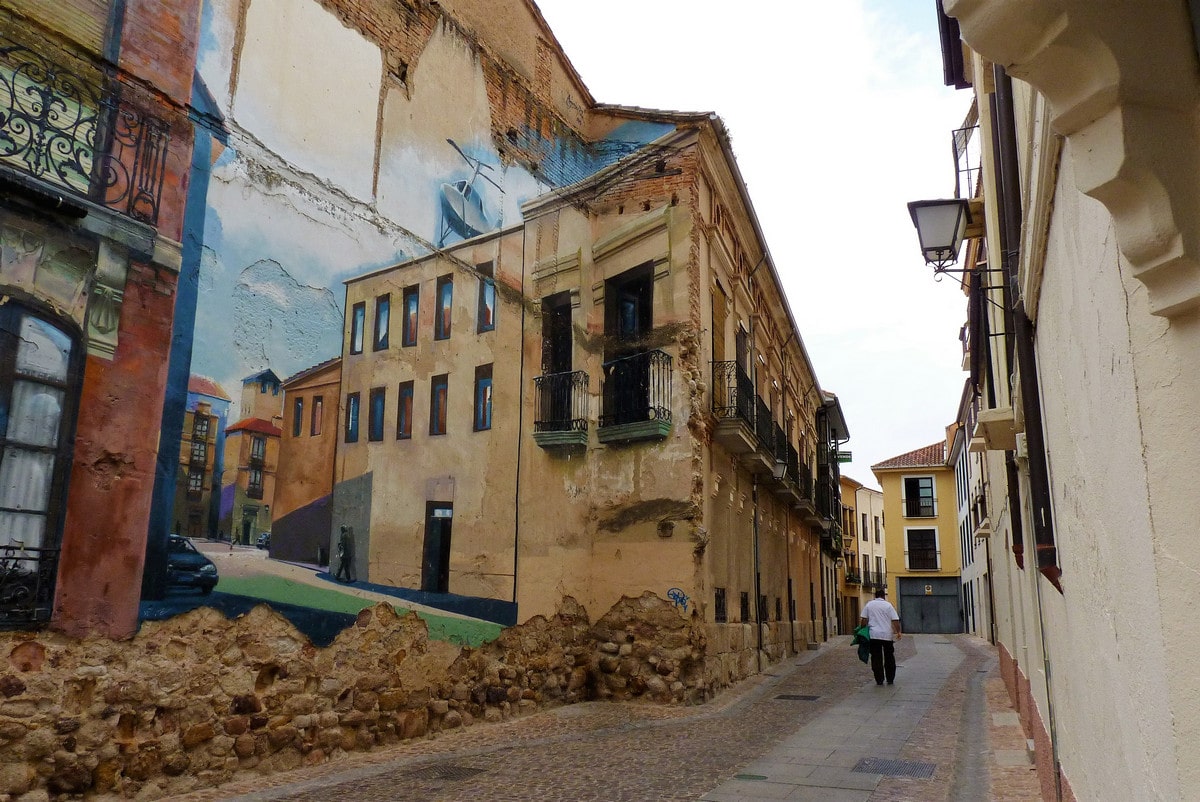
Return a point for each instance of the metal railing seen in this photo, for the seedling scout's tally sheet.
(923, 559)
(560, 402)
(27, 578)
(733, 392)
(763, 426)
(68, 123)
(637, 388)
(920, 508)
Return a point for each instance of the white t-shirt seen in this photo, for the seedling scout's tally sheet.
(880, 614)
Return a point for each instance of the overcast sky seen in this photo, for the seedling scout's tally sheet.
(838, 117)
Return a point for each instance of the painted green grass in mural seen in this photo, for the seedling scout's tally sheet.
(463, 631)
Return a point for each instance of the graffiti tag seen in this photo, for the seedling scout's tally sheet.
(678, 597)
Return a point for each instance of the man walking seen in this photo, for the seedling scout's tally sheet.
(884, 622)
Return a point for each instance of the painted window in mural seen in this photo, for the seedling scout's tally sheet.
(438, 399)
(445, 300)
(383, 321)
(200, 425)
(404, 413)
(352, 418)
(199, 451)
(358, 319)
(487, 298)
(195, 480)
(37, 388)
(377, 401)
(412, 297)
(483, 398)
(318, 412)
(254, 489)
(258, 449)
(297, 416)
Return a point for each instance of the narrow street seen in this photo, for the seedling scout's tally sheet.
(815, 727)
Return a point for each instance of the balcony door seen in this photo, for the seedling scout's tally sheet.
(556, 333)
(435, 562)
(628, 317)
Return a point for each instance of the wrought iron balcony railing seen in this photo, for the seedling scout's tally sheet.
(67, 122)
(764, 428)
(733, 392)
(560, 402)
(27, 578)
(637, 389)
(920, 508)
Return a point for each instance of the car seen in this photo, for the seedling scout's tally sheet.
(264, 541)
(188, 568)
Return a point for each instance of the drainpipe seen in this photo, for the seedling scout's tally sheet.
(787, 551)
(1039, 484)
(757, 589)
(520, 415)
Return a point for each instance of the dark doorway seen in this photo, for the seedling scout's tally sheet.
(435, 565)
(628, 317)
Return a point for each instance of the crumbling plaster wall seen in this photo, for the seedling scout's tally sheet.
(198, 700)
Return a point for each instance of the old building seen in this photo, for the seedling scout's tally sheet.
(251, 459)
(201, 454)
(95, 151)
(302, 505)
(863, 548)
(921, 506)
(1084, 345)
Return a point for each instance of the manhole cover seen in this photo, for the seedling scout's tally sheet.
(445, 772)
(797, 697)
(894, 768)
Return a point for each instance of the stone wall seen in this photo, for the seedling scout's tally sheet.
(200, 700)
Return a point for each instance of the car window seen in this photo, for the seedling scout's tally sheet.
(181, 545)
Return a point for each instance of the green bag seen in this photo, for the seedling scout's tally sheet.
(862, 639)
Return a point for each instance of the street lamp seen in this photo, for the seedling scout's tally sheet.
(779, 470)
(941, 225)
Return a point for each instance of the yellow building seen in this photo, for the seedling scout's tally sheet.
(921, 510)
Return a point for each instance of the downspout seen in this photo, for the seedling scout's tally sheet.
(520, 415)
(757, 588)
(1039, 484)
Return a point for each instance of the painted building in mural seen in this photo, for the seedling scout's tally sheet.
(921, 506)
(96, 146)
(201, 459)
(302, 505)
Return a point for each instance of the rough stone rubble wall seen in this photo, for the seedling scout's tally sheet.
(199, 700)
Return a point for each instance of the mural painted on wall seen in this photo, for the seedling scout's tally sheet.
(345, 155)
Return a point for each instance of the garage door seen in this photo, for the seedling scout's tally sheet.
(930, 604)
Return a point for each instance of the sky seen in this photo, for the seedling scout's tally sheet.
(838, 117)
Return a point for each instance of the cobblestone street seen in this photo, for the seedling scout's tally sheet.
(796, 732)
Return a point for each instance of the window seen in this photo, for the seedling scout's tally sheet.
(297, 416)
(377, 400)
(487, 298)
(438, 399)
(918, 497)
(412, 298)
(352, 418)
(864, 526)
(383, 321)
(258, 448)
(199, 451)
(404, 414)
(358, 318)
(200, 426)
(877, 529)
(483, 398)
(921, 548)
(318, 411)
(195, 480)
(444, 301)
(255, 487)
(745, 611)
(720, 614)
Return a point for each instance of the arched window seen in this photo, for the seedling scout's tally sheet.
(39, 385)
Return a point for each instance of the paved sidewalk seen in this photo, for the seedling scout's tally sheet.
(795, 732)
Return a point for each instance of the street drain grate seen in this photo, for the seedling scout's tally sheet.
(749, 776)
(447, 772)
(797, 697)
(894, 768)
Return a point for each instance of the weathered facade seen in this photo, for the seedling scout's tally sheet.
(95, 154)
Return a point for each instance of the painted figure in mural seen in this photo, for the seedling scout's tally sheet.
(345, 554)
(884, 622)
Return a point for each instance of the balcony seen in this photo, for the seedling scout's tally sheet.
(257, 462)
(981, 524)
(66, 123)
(920, 507)
(254, 491)
(733, 406)
(874, 579)
(923, 560)
(560, 417)
(637, 398)
(853, 579)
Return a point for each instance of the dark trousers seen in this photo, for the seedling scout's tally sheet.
(883, 660)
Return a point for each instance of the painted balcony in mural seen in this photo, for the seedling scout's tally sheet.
(68, 125)
(560, 412)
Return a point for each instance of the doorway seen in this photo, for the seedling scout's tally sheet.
(435, 563)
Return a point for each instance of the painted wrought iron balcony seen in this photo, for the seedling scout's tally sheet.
(560, 409)
(637, 398)
(258, 461)
(733, 407)
(72, 125)
(254, 491)
(27, 577)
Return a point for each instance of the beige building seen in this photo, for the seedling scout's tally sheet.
(923, 559)
(251, 458)
(610, 399)
(864, 547)
(302, 505)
